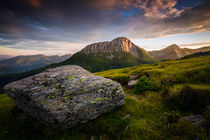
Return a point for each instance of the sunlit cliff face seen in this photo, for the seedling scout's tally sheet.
(66, 26)
(121, 44)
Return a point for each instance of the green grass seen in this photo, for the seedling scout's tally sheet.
(196, 55)
(95, 62)
(194, 70)
(142, 123)
(145, 110)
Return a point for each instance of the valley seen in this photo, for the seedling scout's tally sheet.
(145, 115)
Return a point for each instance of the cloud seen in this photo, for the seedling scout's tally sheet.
(160, 8)
(191, 20)
(195, 44)
(90, 20)
(111, 4)
(35, 3)
(152, 8)
(87, 21)
(43, 47)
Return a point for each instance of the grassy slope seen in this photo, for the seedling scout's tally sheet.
(198, 54)
(95, 62)
(145, 109)
(195, 70)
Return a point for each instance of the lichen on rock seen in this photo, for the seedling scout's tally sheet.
(65, 96)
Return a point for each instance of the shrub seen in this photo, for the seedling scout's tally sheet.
(185, 130)
(144, 84)
(207, 117)
(188, 99)
(170, 117)
(122, 79)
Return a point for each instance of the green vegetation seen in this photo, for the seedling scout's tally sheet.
(143, 116)
(167, 73)
(196, 55)
(188, 99)
(95, 62)
(207, 116)
(144, 84)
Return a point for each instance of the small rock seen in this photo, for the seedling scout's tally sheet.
(197, 120)
(132, 83)
(126, 129)
(126, 116)
(133, 77)
(92, 138)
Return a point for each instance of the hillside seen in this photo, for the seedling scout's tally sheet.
(26, 63)
(146, 115)
(175, 52)
(119, 53)
(3, 57)
(199, 54)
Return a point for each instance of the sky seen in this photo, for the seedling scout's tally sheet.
(66, 26)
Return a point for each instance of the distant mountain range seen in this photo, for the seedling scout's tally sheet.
(119, 53)
(27, 63)
(3, 57)
(175, 52)
(198, 54)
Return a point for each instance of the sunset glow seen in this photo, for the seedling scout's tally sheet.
(66, 26)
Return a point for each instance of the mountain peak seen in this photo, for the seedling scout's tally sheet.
(174, 46)
(118, 53)
(120, 44)
(121, 39)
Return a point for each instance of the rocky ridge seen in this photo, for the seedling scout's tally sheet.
(175, 52)
(120, 44)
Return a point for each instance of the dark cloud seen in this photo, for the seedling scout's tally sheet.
(190, 20)
(90, 20)
(65, 20)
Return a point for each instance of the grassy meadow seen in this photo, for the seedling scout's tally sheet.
(182, 88)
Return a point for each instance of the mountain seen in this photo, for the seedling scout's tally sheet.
(26, 63)
(3, 57)
(175, 52)
(182, 90)
(118, 53)
(199, 54)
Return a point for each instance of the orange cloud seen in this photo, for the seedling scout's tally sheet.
(26, 47)
(160, 8)
(196, 44)
(35, 3)
(152, 8)
(111, 4)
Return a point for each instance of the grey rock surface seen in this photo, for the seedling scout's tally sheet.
(133, 77)
(197, 120)
(65, 96)
(120, 44)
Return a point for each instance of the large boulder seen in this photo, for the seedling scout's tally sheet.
(65, 96)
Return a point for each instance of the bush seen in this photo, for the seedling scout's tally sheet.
(122, 79)
(207, 117)
(170, 117)
(188, 99)
(144, 84)
(185, 130)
